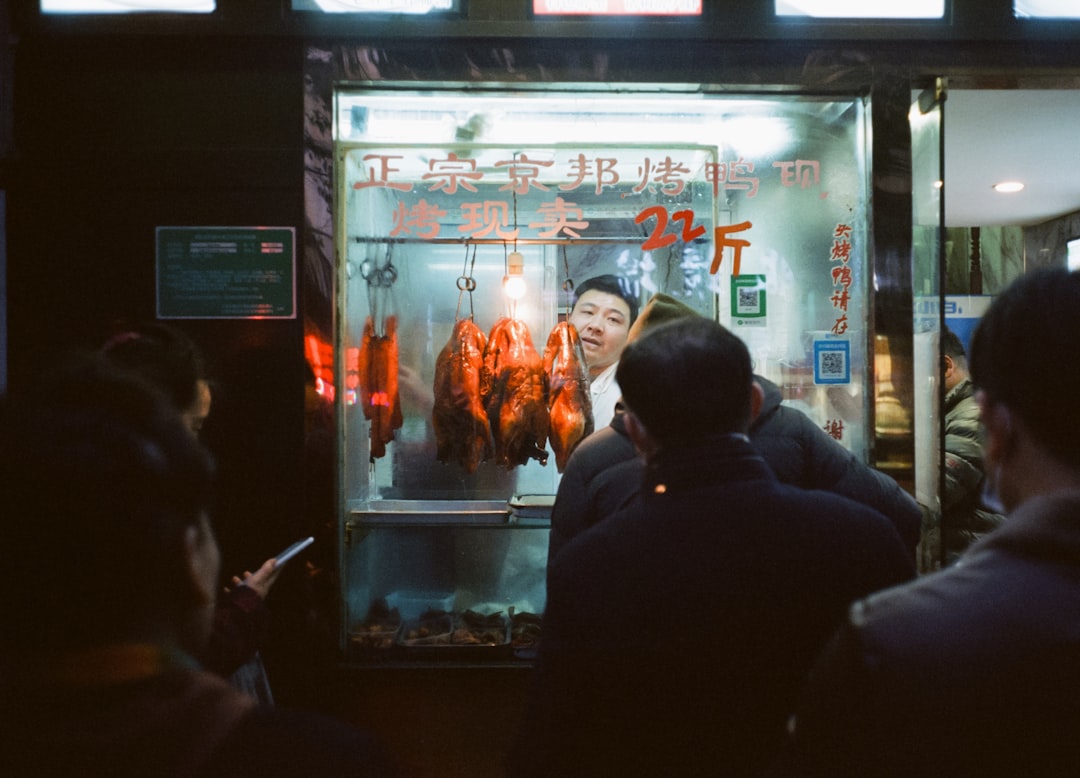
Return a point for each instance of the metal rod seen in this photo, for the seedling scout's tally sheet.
(519, 241)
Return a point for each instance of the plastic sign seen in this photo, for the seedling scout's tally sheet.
(226, 273)
(748, 301)
(832, 361)
(616, 7)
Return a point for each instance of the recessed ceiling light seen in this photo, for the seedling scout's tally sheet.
(1007, 187)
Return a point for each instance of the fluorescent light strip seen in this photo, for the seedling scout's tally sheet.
(861, 9)
(1046, 9)
(127, 6)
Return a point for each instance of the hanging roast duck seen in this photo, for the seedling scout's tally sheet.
(377, 374)
(514, 389)
(462, 431)
(569, 402)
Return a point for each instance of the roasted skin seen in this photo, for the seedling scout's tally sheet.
(514, 388)
(569, 402)
(377, 373)
(462, 431)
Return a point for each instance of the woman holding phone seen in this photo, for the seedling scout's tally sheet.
(171, 361)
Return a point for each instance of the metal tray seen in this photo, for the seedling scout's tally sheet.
(431, 512)
(456, 636)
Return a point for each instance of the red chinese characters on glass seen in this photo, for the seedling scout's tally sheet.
(450, 173)
(841, 276)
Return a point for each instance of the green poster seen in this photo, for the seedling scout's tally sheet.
(748, 301)
(226, 273)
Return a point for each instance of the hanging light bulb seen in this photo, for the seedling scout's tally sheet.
(514, 280)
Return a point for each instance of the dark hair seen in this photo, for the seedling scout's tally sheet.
(165, 356)
(99, 478)
(1025, 354)
(687, 380)
(611, 284)
(951, 346)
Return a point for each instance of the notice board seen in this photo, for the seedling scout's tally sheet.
(226, 273)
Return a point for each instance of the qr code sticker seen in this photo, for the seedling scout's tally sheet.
(832, 364)
(749, 302)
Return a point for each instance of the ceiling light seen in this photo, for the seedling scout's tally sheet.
(1008, 187)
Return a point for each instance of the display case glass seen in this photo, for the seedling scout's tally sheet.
(750, 209)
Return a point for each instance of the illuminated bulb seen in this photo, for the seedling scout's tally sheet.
(1008, 187)
(514, 287)
(514, 280)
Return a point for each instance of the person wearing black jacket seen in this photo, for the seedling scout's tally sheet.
(677, 632)
(603, 472)
(974, 670)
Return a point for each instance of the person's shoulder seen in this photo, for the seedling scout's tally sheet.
(965, 408)
(283, 742)
(601, 449)
(928, 612)
(828, 503)
(603, 543)
(832, 517)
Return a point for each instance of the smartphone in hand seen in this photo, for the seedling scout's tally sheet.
(292, 551)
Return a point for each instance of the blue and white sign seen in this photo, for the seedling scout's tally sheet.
(832, 362)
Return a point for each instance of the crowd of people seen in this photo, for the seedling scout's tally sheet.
(730, 592)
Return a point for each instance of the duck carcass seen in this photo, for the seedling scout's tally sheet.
(462, 431)
(569, 402)
(377, 374)
(514, 388)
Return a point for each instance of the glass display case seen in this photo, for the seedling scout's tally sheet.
(490, 205)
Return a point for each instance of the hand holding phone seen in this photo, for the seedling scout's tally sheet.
(262, 579)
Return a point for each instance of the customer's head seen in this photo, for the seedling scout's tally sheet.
(956, 364)
(659, 309)
(103, 493)
(604, 308)
(166, 357)
(1025, 361)
(687, 380)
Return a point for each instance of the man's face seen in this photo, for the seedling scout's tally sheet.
(603, 321)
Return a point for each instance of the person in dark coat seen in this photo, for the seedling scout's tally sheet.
(107, 596)
(677, 631)
(603, 473)
(974, 670)
(171, 361)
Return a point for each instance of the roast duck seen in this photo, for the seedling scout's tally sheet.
(462, 431)
(377, 380)
(513, 386)
(569, 402)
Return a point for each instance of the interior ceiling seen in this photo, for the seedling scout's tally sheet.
(1028, 135)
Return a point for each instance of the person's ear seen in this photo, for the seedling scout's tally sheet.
(201, 562)
(999, 431)
(637, 432)
(757, 400)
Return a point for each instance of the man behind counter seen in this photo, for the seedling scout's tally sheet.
(604, 308)
(677, 632)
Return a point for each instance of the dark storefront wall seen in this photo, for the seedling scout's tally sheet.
(115, 137)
